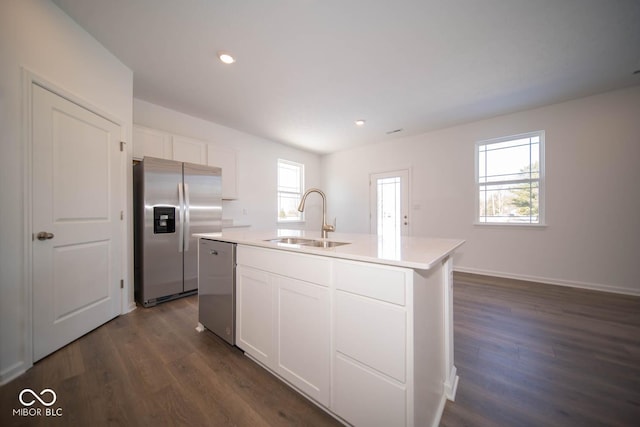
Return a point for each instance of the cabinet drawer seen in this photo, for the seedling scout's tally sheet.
(364, 398)
(309, 268)
(383, 283)
(372, 332)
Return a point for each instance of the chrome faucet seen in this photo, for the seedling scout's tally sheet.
(326, 228)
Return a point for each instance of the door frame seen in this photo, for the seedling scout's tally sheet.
(373, 200)
(30, 78)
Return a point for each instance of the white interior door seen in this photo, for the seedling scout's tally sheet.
(76, 221)
(389, 203)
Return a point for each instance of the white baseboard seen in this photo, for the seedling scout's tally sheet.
(132, 306)
(440, 411)
(451, 385)
(548, 281)
(12, 372)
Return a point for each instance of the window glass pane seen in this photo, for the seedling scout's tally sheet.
(288, 178)
(389, 207)
(507, 163)
(288, 207)
(516, 203)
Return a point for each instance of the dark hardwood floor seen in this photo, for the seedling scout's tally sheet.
(530, 354)
(527, 355)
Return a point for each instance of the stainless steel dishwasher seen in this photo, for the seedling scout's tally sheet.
(217, 288)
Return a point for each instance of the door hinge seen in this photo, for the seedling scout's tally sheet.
(122, 145)
(121, 215)
(121, 283)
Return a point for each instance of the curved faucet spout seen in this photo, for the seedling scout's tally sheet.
(326, 228)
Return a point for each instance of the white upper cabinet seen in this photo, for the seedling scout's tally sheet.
(151, 143)
(227, 159)
(189, 150)
(156, 143)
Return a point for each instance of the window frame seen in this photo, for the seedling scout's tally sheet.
(299, 194)
(541, 180)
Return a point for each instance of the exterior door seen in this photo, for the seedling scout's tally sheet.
(390, 203)
(76, 217)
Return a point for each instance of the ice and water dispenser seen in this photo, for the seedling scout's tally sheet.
(164, 219)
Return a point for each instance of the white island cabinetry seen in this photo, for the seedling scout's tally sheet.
(367, 337)
(282, 316)
(371, 344)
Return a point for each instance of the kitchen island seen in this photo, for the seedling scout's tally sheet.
(360, 324)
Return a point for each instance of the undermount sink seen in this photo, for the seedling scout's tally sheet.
(290, 240)
(306, 242)
(324, 244)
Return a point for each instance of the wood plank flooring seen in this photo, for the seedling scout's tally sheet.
(151, 368)
(530, 354)
(527, 355)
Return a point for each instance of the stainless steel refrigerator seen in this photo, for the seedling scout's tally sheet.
(172, 200)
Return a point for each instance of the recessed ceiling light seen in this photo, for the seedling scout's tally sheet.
(226, 57)
(359, 122)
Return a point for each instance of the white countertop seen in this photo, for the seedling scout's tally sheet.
(420, 253)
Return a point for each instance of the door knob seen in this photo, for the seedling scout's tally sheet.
(43, 235)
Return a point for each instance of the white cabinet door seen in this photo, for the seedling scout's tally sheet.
(255, 314)
(189, 150)
(365, 398)
(227, 159)
(302, 334)
(372, 332)
(151, 143)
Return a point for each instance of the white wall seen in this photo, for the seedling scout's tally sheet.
(257, 165)
(592, 239)
(38, 36)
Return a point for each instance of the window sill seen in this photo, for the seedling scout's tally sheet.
(509, 225)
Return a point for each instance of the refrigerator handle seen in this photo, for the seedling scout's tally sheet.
(187, 208)
(181, 209)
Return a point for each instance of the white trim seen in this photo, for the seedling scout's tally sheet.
(510, 225)
(549, 281)
(13, 372)
(440, 411)
(451, 377)
(130, 307)
(28, 79)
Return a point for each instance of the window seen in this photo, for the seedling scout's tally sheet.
(290, 187)
(509, 179)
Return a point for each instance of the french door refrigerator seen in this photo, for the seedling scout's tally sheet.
(172, 200)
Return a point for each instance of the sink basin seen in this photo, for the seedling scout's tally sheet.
(306, 242)
(290, 240)
(324, 244)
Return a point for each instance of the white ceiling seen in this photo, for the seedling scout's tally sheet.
(306, 69)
